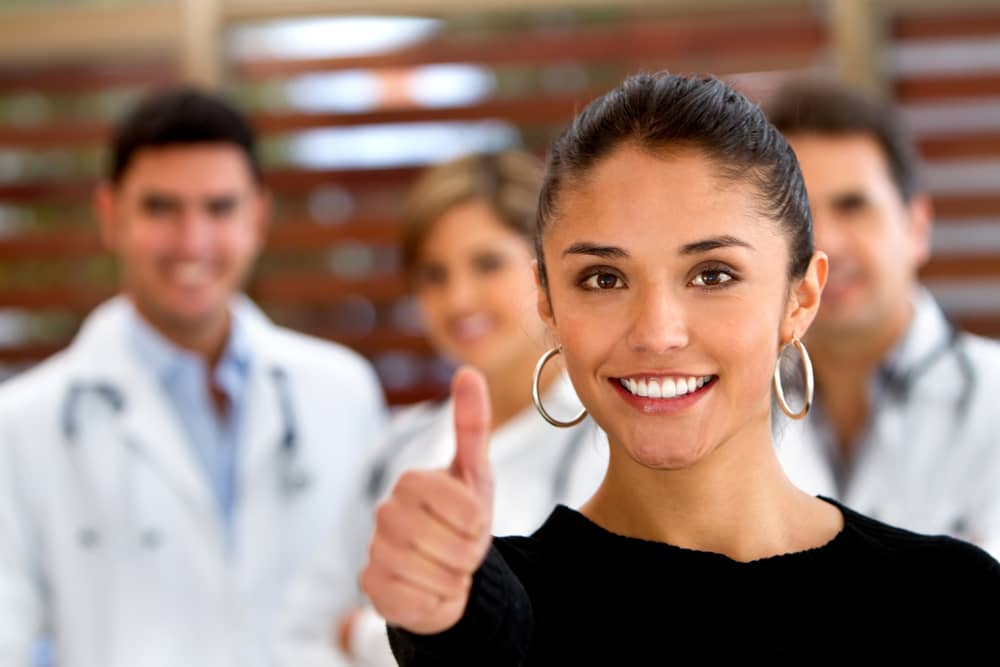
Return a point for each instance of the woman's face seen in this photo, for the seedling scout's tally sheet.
(670, 297)
(474, 284)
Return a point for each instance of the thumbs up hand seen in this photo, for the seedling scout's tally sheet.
(433, 531)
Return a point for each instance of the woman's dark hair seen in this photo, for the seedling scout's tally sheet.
(507, 182)
(660, 112)
(181, 115)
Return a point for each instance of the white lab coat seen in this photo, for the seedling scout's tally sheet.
(535, 466)
(930, 458)
(113, 540)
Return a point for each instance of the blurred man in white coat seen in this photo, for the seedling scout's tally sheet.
(905, 426)
(163, 478)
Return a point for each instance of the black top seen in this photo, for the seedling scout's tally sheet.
(576, 594)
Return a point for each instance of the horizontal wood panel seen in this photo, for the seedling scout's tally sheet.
(62, 244)
(957, 86)
(47, 191)
(422, 392)
(299, 235)
(969, 145)
(941, 25)
(88, 78)
(527, 110)
(962, 267)
(956, 206)
(301, 289)
(679, 38)
(291, 180)
(29, 352)
(321, 289)
(283, 180)
(297, 181)
(984, 325)
(370, 345)
(55, 135)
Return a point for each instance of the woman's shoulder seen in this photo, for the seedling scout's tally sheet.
(910, 549)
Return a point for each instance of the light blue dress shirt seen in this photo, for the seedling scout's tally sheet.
(214, 437)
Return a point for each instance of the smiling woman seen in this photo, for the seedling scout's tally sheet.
(675, 262)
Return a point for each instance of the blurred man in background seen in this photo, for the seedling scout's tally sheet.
(163, 478)
(905, 426)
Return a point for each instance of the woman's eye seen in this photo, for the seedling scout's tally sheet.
(487, 263)
(711, 278)
(603, 281)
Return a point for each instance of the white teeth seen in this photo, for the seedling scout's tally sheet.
(664, 387)
(190, 273)
(653, 387)
(669, 388)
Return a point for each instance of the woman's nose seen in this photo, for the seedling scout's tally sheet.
(658, 325)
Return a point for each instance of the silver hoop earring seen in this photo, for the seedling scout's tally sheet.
(537, 399)
(807, 370)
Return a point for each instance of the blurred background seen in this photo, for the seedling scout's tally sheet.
(353, 97)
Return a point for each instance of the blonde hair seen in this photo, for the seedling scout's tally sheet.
(508, 182)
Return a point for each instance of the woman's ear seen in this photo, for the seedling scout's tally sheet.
(544, 304)
(804, 298)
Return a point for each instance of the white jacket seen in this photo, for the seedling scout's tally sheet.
(929, 460)
(535, 467)
(110, 536)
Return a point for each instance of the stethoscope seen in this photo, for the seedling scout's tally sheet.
(898, 385)
(292, 478)
(377, 482)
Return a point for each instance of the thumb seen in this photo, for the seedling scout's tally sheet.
(472, 429)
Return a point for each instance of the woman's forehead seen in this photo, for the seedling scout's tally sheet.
(634, 195)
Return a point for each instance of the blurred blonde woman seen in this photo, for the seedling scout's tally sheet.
(467, 253)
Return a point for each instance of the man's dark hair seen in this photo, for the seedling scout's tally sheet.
(663, 112)
(182, 115)
(820, 106)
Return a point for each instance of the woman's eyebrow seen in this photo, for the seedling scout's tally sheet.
(605, 251)
(713, 243)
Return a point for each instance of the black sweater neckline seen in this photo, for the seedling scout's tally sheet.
(574, 531)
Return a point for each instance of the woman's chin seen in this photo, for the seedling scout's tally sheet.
(665, 456)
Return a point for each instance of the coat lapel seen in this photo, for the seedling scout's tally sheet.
(264, 426)
(149, 424)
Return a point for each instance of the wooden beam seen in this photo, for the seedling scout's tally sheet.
(199, 42)
(858, 34)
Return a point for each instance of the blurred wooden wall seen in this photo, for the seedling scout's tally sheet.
(331, 267)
